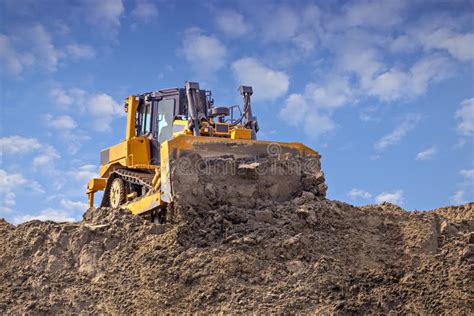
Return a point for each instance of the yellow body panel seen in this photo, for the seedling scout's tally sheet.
(165, 184)
(131, 109)
(144, 204)
(105, 170)
(132, 153)
(241, 133)
(138, 151)
(180, 127)
(96, 184)
(189, 142)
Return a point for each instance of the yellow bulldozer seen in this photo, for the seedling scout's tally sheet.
(179, 146)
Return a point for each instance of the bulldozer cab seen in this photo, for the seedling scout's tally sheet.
(158, 110)
(162, 113)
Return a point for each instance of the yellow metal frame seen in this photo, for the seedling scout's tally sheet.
(144, 204)
(94, 185)
(131, 153)
(190, 142)
(241, 133)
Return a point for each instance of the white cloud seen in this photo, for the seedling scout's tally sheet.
(61, 28)
(206, 54)
(368, 114)
(466, 115)
(29, 46)
(10, 183)
(60, 122)
(103, 104)
(466, 187)
(317, 124)
(372, 13)
(101, 107)
(46, 157)
(310, 30)
(368, 62)
(356, 193)
(314, 109)
(144, 11)
(32, 46)
(403, 44)
(295, 25)
(67, 130)
(468, 174)
(104, 108)
(84, 173)
(458, 44)
(427, 154)
(9, 57)
(61, 97)
(458, 197)
(78, 51)
(42, 47)
(104, 14)
(267, 83)
(298, 112)
(399, 132)
(295, 109)
(282, 24)
(45, 154)
(365, 55)
(390, 85)
(18, 145)
(395, 197)
(74, 206)
(433, 31)
(300, 26)
(428, 69)
(74, 139)
(48, 214)
(231, 22)
(396, 84)
(333, 93)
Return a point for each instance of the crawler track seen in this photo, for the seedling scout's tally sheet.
(131, 177)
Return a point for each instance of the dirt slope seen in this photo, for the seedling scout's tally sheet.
(302, 256)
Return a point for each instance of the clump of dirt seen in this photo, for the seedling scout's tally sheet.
(306, 255)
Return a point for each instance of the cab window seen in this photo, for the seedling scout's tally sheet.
(165, 119)
(144, 119)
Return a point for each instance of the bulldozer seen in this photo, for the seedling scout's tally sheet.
(179, 146)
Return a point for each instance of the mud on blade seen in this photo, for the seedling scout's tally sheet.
(205, 173)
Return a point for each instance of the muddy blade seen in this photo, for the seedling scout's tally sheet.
(208, 172)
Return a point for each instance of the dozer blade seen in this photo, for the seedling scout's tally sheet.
(205, 171)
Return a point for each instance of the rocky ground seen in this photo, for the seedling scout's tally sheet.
(306, 255)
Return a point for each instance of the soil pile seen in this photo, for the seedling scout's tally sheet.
(306, 255)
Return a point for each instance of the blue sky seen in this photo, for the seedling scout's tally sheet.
(384, 90)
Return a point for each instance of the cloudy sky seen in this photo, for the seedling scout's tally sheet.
(384, 90)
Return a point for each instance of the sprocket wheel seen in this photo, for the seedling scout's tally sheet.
(117, 193)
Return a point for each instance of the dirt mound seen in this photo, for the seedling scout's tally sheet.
(306, 255)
